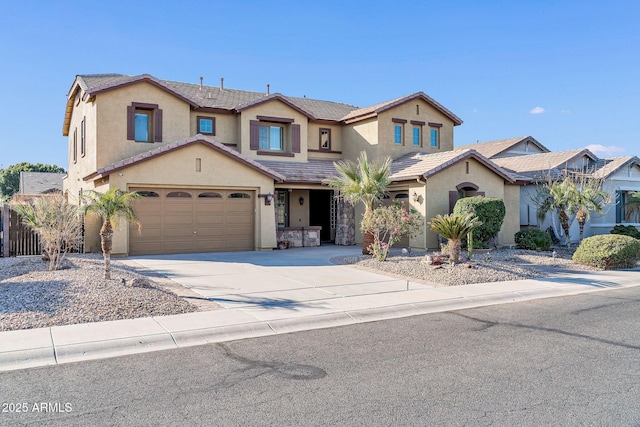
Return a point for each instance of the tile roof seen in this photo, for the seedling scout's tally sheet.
(313, 171)
(383, 106)
(423, 165)
(539, 166)
(197, 139)
(40, 182)
(231, 99)
(607, 167)
(493, 148)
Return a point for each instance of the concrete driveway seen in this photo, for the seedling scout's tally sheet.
(289, 279)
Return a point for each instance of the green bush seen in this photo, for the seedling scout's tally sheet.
(626, 230)
(533, 238)
(608, 251)
(490, 212)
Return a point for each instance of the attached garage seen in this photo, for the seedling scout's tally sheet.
(178, 220)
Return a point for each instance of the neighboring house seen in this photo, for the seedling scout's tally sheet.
(619, 176)
(224, 169)
(32, 183)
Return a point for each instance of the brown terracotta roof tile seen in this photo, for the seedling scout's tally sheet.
(197, 139)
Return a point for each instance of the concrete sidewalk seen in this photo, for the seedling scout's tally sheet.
(267, 293)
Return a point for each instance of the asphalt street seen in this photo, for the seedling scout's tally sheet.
(557, 361)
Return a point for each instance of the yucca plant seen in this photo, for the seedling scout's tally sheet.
(454, 228)
(111, 207)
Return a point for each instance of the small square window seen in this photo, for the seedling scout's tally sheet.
(397, 134)
(207, 125)
(325, 139)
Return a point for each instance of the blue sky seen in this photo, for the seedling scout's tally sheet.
(565, 72)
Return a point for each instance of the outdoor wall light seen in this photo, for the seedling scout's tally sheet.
(416, 197)
(301, 200)
(268, 198)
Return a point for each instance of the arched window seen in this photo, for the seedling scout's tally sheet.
(182, 194)
(210, 195)
(239, 196)
(148, 193)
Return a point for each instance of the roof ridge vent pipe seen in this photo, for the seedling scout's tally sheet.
(221, 83)
(268, 88)
(201, 79)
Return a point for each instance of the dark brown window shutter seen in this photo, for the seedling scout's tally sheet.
(480, 193)
(157, 134)
(254, 135)
(295, 138)
(131, 118)
(453, 198)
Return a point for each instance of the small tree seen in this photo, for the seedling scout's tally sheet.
(588, 197)
(55, 221)
(389, 224)
(363, 181)
(111, 207)
(454, 228)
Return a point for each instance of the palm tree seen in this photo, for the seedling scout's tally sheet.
(111, 207)
(632, 206)
(454, 228)
(557, 197)
(364, 182)
(589, 197)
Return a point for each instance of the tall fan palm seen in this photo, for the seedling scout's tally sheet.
(364, 182)
(454, 228)
(111, 207)
(556, 197)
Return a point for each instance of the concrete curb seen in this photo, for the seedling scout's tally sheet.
(72, 343)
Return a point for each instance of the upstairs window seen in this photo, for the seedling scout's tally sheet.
(417, 140)
(144, 122)
(83, 135)
(206, 125)
(325, 139)
(271, 138)
(397, 134)
(434, 134)
(75, 145)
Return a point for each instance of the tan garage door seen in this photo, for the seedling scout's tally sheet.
(190, 220)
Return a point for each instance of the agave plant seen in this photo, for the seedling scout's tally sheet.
(454, 228)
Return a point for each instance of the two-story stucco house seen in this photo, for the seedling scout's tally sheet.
(222, 169)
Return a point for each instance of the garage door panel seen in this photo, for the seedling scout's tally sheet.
(168, 223)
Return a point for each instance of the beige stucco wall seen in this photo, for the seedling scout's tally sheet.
(226, 126)
(313, 140)
(298, 215)
(274, 108)
(439, 185)
(360, 136)
(511, 224)
(407, 111)
(86, 164)
(218, 171)
(112, 121)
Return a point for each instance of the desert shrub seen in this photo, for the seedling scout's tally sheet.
(626, 230)
(608, 251)
(490, 212)
(389, 224)
(533, 238)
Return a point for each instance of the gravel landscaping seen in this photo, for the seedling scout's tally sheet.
(495, 266)
(33, 297)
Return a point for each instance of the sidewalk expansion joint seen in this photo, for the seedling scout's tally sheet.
(53, 346)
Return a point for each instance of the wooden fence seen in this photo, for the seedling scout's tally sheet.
(16, 239)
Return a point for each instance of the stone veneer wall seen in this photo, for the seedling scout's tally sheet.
(299, 237)
(346, 224)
